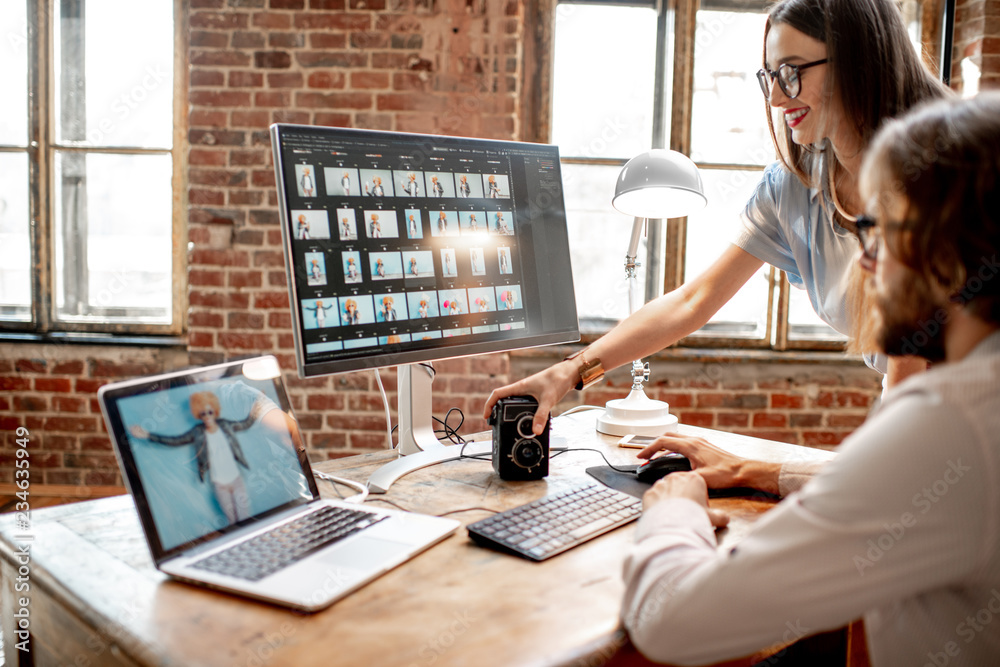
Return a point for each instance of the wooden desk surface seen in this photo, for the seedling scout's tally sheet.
(96, 598)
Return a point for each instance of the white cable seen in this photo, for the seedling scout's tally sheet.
(357, 486)
(385, 404)
(580, 408)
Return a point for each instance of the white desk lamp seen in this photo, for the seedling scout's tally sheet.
(657, 184)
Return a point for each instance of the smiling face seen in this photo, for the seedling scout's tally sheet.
(815, 113)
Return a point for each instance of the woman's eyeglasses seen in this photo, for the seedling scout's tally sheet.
(870, 236)
(788, 76)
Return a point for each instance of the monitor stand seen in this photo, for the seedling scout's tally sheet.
(418, 446)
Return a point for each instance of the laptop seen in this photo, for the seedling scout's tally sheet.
(227, 499)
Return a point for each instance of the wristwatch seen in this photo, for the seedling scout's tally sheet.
(591, 372)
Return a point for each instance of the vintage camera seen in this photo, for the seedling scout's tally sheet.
(518, 454)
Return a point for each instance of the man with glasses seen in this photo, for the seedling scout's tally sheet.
(903, 526)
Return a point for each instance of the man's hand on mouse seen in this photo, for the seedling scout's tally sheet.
(719, 468)
(689, 485)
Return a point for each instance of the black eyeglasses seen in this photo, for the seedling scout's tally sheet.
(789, 79)
(870, 236)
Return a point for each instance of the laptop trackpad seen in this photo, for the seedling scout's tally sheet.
(364, 553)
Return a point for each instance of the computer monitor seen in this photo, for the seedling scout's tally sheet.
(403, 249)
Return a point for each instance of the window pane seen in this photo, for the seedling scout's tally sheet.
(14, 74)
(15, 247)
(804, 323)
(728, 112)
(602, 102)
(113, 78)
(599, 238)
(709, 232)
(113, 237)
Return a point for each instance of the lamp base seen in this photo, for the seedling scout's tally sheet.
(636, 414)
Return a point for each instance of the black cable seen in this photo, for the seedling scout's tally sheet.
(588, 449)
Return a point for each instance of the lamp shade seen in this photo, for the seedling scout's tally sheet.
(659, 184)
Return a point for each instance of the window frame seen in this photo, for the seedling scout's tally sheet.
(667, 240)
(41, 152)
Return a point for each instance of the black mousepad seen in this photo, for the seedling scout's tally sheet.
(626, 482)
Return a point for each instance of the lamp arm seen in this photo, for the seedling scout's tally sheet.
(633, 244)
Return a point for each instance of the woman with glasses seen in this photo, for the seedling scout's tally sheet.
(833, 71)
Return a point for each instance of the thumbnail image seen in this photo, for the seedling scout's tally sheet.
(305, 180)
(376, 183)
(509, 297)
(483, 299)
(394, 339)
(316, 268)
(386, 265)
(477, 262)
(461, 331)
(503, 257)
(509, 326)
(414, 228)
(500, 223)
(440, 184)
(352, 266)
(453, 302)
(444, 223)
(357, 310)
(485, 328)
(469, 186)
(426, 335)
(422, 304)
(418, 263)
(410, 183)
(497, 186)
(319, 313)
(347, 226)
(310, 224)
(381, 225)
(449, 267)
(342, 182)
(472, 222)
(390, 307)
(360, 342)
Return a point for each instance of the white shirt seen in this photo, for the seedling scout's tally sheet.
(902, 527)
(221, 462)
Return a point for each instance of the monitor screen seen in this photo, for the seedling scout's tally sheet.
(404, 248)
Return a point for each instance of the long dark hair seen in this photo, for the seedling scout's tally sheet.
(875, 71)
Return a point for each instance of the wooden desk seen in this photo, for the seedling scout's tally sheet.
(96, 599)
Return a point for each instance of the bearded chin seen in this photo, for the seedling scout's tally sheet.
(910, 324)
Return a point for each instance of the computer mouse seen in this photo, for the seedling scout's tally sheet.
(661, 466)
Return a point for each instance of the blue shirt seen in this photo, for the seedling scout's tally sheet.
(786, 224)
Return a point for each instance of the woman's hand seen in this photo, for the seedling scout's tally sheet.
(720, 469)
(689, 485)
(139, 432)
(547, 387)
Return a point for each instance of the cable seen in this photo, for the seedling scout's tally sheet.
(580, 408)
(357, 486)
(385, 403)
(588, 449)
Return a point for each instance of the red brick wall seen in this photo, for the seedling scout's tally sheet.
(440, 66)
(977, 37)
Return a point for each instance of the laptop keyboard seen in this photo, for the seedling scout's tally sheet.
(560, 521)
(269, 552)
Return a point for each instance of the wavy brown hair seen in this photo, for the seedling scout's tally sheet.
(944, 160)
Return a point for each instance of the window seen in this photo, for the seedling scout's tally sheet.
(89, 168)
(615, 94)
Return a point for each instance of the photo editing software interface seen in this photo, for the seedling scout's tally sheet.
(421, 246)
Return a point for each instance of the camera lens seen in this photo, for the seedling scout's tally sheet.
(524, 425)
(527, 453)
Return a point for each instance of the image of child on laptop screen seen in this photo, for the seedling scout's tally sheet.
(223, 454)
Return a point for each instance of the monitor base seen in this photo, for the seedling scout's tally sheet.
(382, 479)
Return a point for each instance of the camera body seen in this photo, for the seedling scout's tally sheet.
(518, 454)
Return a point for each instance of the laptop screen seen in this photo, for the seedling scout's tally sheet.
(207, 451)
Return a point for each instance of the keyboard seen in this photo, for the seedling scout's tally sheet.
(551, 525)
(265, 554)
